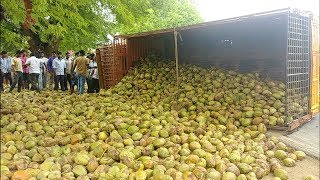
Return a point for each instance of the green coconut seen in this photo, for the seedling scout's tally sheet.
(159, 142)
(244, 168)
(79, 170)
(242, 177)
(229, 176)
(92, 165)
(82, 159)
(280, 154)
(289, 162)
(214, 175)
(281, 173)
(300, 155)
(163, 152)
(194, 145)
(30, 144)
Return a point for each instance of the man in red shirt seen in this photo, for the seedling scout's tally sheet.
(26, 78)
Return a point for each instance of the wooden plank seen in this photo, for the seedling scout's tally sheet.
(299, 122)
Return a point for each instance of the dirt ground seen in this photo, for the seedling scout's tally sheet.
(308, 166)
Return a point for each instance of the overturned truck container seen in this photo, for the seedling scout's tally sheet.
(281, 45)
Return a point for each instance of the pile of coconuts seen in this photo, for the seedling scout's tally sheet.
(212, 127)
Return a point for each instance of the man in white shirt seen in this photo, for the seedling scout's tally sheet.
(34, 64)
(43, 73)
(59, 67)
(93, 78)
(68, 60)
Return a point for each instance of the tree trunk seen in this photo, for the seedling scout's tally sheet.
(36, 45)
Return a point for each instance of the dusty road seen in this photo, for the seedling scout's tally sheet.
(308, 166)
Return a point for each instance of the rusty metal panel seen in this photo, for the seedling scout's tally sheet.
(100, 72)
(104, 56)
(315, 77)
(120, 60)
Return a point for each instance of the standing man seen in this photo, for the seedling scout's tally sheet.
(59, 67)
(94, 76)
(26, 78)
(44, 73)
(51, 75)
(17, 72)
(89, 78)
(74, 78)
(6, 65)
(34, 64)
(81, 65)
(68, 61)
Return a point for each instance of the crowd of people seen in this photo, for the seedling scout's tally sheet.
(36, 72)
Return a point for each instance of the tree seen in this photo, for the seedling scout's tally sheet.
(81, 24)
(142, 15)
(60, 24)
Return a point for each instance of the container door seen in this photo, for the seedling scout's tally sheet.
(298, 67)
(315, 67)
(101, 77)
(120, 64)
(105, 66)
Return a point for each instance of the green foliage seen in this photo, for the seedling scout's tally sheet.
(66, 24)
(11, 40)
(82, 24)
(147, 15)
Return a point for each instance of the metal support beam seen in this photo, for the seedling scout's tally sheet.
(176, 52)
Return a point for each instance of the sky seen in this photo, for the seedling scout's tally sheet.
(220, 9)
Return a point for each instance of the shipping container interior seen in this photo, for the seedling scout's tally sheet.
(275, 45)
(249, 45)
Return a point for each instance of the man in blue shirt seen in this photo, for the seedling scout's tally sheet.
(52, 77)
(6, 66)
